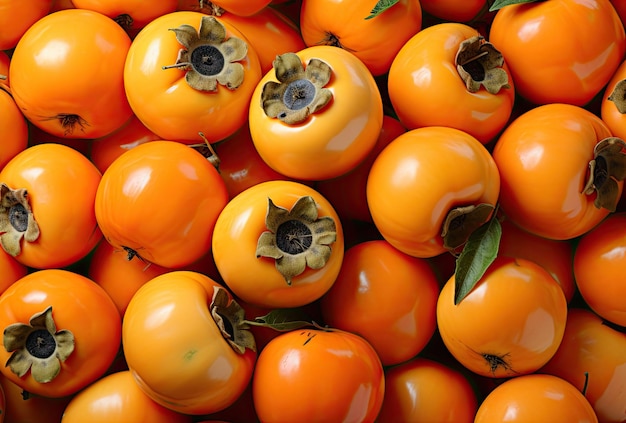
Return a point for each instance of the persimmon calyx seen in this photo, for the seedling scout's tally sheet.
(210, 8)
(461, 221)
(300, 92)
(606, 169)
(230, 319)
(37, 346)
(479, 63)
(618, 96)
(296, 238)
(16, 220)
(125, 21)
(208, 57)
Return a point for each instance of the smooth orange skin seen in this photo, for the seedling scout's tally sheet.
(256, 280)
(136, 9)
(347, 192)
(108, 148)
(423, 391)
(599, 268)
(609, 113)
(534, 398)
(118, 398)
(419, 177)
(333, 140)
(387, 297)
(374, 41)
(566, 65)
(55, 72)
(269, 32)
(175, 350)
(241, 166)
(452, 10)
(79, 305)
(119, 277)
(10, 271)
(131, 211)
(425, 88)
(591, 347)
(34, 409)
(286, 385)
(163, 100)
(554, 255)
(517, 312)
(53, 174)
(17, 17)
(543, 158)
(13, 128)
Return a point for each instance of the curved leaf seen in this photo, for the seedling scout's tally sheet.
(477, 255)
(499, 4)
(380, 7)
(283, 320)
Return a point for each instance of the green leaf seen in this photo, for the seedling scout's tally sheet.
(499, 4)
(380, 7)
(283, 320)
(477, 255)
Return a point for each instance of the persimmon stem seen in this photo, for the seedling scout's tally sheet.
(586, 384)
(175, 65)
(213, 158)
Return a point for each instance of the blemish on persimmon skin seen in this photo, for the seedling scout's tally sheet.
(496, 361)
(70, 122)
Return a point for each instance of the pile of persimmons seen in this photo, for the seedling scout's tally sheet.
(323, 211)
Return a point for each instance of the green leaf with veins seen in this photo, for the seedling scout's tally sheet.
(380, 7)
(478, 253)
(283, 320)
(499, 4)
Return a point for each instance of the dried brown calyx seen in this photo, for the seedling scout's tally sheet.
(38, 347)
(618, 96)
(208, 57)
(299, 92)
(297, 238)
(606, 169)
(17, 221)
(461, 222)
(479, 63)
(230, 319)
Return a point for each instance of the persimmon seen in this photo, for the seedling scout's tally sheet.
(566, 65)
(591, 357)
(429, 188)
(72, 86)
(510, 324)
(47, 223)
(552, 164)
